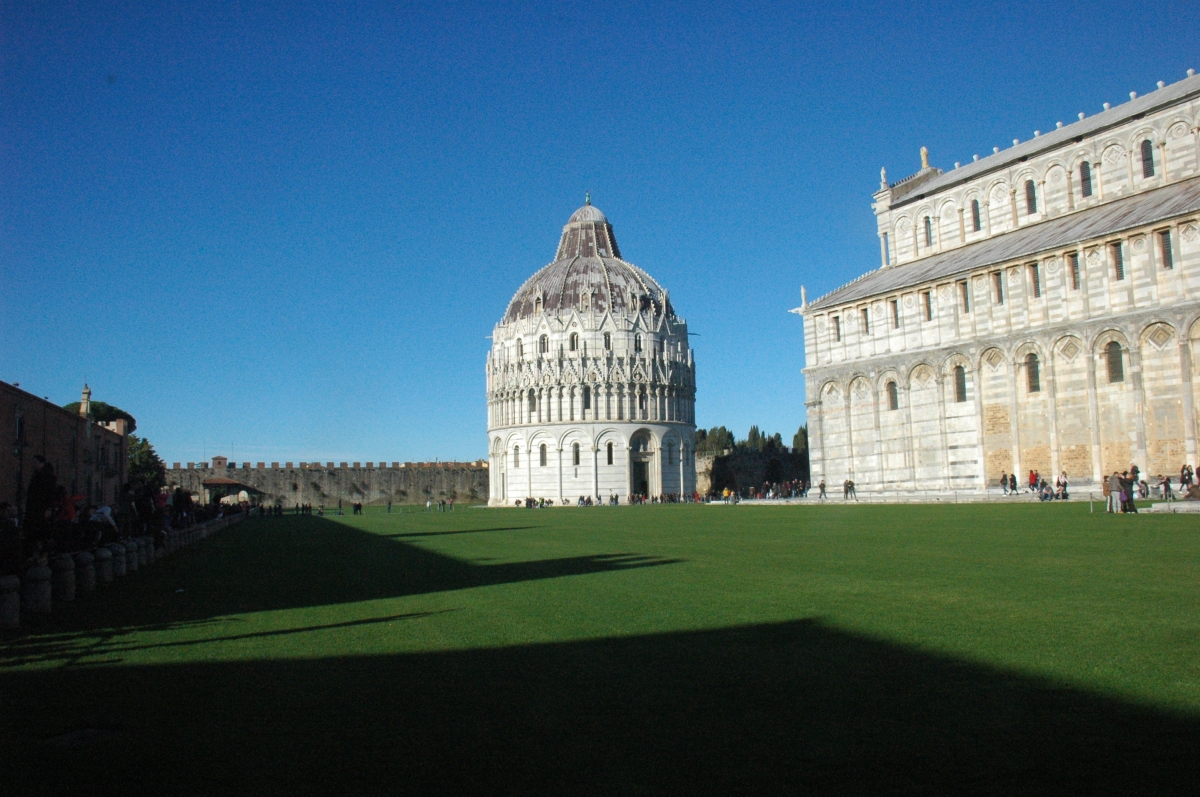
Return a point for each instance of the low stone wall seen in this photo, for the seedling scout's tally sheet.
(739, 470)
(316, 484)
(67, 577)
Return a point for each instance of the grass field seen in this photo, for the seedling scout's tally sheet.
(636, 650)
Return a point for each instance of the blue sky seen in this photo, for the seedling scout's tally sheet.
(283, 231)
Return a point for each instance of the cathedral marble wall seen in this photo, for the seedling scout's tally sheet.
(1061, 340)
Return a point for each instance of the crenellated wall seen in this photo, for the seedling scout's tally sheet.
(317, 484)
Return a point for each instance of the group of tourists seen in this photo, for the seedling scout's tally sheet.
(1035, 484)
(442, 505)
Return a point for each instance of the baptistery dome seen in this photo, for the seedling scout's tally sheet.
(591, 382)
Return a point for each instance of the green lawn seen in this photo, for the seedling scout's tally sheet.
(950, 649)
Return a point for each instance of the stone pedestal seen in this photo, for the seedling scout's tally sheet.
(10, 602)
(104, 565)
(35, 592)
(131, 556)
(118, 559)
(85, 572)
(63, 579)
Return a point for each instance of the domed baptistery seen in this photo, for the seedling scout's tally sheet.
(591, 384)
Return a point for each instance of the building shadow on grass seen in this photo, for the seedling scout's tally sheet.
(295, 562)
(785, 708)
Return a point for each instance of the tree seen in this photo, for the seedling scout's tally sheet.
(105, 413)
(800, 439)
(145, 466)
(715, 441)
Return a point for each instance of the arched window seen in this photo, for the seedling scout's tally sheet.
(532, 401)
(575, 454)
(637, 342)
(574, 341)
(976, 219)
(542, 455)
(1147, 158)
(1030, 198)
(960, 384)
(607, 342)
(537, 305)
(610, 453)
(1085, 179)
(544, 344)
(893, 394)
(516, 456)
(520, 348)
(587, 398)
(641, 401)
(928, 231)
(1033, 373)
(1116, 365)
(670, 452)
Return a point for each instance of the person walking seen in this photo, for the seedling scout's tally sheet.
(821, 495)
(1112, 491)
(1004, 481)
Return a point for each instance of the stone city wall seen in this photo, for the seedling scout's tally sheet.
(325, 484)
(740, 470)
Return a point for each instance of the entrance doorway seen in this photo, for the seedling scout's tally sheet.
(641, 455)
(641, 478)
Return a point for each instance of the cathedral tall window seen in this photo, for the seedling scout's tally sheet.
(516, 456)
(927, 300)
(542, 455)
(575, 454)
(1035, 280)
(998, 287)
(1033, 373)
(574, 341)
(587, 398)
(1118, 262)
(637, 342)
(544, 344)
(893, 395)
(1164, 249)
(837, 328)
(964, 296)
(537, 305)
(895, 313)
(1085, 179)
(610, 452)
(960, 384)
(928, 231)
(607, 341)
(976, 218)
(887, 251)
(1147, 158)
(866, 321)
(1116, 365)
(1030, 198)
(1073, 263)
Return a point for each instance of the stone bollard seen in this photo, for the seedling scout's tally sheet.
(131, 556)
(10, 602)
(35, 595)
(63, 579)
(118, 559)
(85, 572)
(104, 565)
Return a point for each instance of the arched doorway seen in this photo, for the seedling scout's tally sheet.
(641, 459)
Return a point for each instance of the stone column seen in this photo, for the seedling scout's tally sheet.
(560, 478)
(1094, 419)
(977, 379)
(104, 569)
(912, 440)
(1189, 412)
(85, 571)
(595, 472)
(10, 602)
(1014, 411)
(944, 444)
(1139, 399)
(63, 578)
(1052, 393)
(35, 592)
(816, 458)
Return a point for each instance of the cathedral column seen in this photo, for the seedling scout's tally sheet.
(1189, 412)
(940, 379)
(816, 464)
(596, 472)
(1014, 419)
(1094, 419)
(912, 439)
(1139, 399)
(977, 379)
(1052, 390)
(878, 440)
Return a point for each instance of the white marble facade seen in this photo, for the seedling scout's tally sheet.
(590, 380)
(1037, 309)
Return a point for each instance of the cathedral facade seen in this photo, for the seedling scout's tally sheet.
(1037, 309)
(590, 380)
